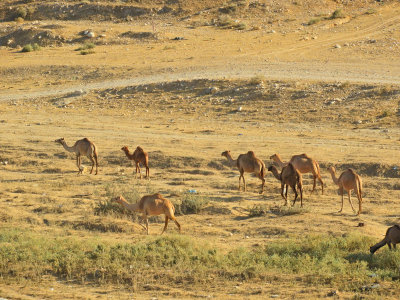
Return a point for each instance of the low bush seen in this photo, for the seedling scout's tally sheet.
(175, 260)
(191, 204)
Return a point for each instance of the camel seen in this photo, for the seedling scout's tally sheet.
(82, 147)
(348, 180)
(151, 205)
(248, 163)
(392, 237)
(304, 164)
(138, 156)
(289, 177)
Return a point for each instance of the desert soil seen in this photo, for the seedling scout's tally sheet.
(330, 90)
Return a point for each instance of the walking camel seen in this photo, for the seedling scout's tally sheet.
(248, 163)
(289, 177)
(82, 147)
(348, 180)
(304, 164)
(392, 237)
(138, 156)
(151, 205)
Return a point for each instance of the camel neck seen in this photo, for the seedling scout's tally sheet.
(279, 161)
(66, 147)
(276, 174)
(129, 206)
(334, 178)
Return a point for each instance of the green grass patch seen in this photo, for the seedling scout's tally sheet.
(86, 49)
(176, 259)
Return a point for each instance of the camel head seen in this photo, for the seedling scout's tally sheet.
(125, 148)
(275, 157)
(61, 141)
(118, 199)
(331, 170)
(226, 153)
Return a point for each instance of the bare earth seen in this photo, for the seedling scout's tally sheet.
(298, 93)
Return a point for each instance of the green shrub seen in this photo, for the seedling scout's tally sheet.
(27, 48)
(86, 52)
(21, 12)
(31, 47)
(191, 204)
(337, 14)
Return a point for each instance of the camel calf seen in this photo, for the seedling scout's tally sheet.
(392, 237)
(139, 156)
(151, 205)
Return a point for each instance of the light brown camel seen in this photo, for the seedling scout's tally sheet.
(151, 205)
(289, 177)
(82, 147)
(348, 180)
(392, 237)
(304, 164)
(248, 163)
(138, 156)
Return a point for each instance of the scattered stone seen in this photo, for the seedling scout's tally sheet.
(211, 90)
(333, 293)
(178, 38)
(337, 46)
(239, 108)
(274, 296)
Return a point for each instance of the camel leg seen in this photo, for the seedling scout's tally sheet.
(282, 188)
(78, 163)
(394, 246)
(322, 184)
(147, 172)
(295, 194)
(177, 224)
(136, 168)
(390, 246)
(341, 192)
(97, 164)
(301, 196)
(359, 202)
(147, 223)
(352, 207)
(244, 182)
(166, 224)
(140, 172)
(92, 160)
(314, 183)
(262, 185)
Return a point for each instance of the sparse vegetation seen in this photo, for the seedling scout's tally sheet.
(86, 48)
(340, 261)
(314, 21)
(258, 211)
(31, 47)
(191, 204)
(337, 14)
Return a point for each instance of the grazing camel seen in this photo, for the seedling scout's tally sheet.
(289, 177)
(151, 205)
(248, 163)
(392, 237)
(348, 180)
(304, 164)
(138, 156)
(82, 147)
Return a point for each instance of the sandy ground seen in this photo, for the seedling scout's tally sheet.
(185, 129)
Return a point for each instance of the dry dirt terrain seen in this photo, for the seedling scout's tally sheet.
(187, 80)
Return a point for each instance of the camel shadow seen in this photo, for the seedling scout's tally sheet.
(359, 257)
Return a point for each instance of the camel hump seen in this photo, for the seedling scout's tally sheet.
(139, 148)
(352, 171)
(86, 140)
(251, 154)
(396, 226)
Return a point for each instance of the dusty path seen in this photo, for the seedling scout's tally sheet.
(343, 72)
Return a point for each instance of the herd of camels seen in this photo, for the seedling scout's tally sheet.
(290, 175)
